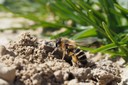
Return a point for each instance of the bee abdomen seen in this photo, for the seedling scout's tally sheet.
(81, 56)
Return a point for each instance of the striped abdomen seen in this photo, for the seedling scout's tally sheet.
(78, 56)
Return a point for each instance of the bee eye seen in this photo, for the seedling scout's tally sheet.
(58, 41)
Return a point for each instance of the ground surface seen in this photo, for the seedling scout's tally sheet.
(27, 62)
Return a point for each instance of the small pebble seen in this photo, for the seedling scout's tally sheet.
(3, 82)
(3, 50)
(7, 73)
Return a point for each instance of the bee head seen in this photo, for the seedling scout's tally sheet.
(58, 42)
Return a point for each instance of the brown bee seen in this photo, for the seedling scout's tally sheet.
(68, 47)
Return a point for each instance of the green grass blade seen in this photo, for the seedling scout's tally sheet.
(124, 11)
(86, 33)
(112, 19)
(123, 49)
(109, 33)
(107, 47)
(121, 8)
(87, 7)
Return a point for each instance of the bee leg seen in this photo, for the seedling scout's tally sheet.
(53, 50)
(73, 63)
(63, 55)
(50, 55)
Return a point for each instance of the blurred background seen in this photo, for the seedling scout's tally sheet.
(96, 25)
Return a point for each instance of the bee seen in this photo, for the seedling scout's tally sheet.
(69, 47)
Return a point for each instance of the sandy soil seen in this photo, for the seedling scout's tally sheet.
(27, 61)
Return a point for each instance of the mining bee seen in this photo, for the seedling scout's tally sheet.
(69, 47)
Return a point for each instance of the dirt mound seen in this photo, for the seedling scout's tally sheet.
(34, 66)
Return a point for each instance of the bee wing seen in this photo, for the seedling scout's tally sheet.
(86, 41)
